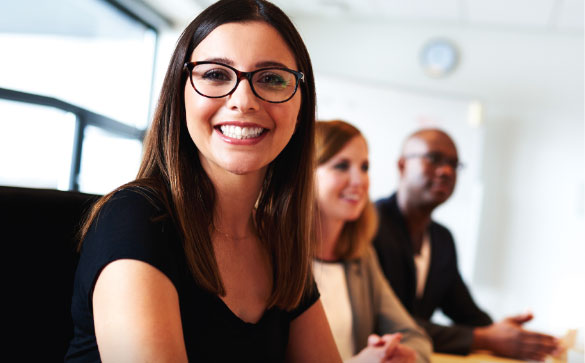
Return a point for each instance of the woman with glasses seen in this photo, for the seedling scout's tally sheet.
(206, 255)
(368, 321)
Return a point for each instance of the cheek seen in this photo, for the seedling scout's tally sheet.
(198, 110)
(325, 184)
(335, 186)
(286, 114)
(419, 175)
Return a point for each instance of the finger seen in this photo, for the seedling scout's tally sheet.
(540, 342)
(537, 347)
(402, 354)
(388, 337)
(392, 342)
(534, 356)
(405, 353)
(520, 318)
(375, 340)
(561, 348)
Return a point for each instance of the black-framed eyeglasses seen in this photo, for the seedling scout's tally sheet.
(216, 80)
(437, 159)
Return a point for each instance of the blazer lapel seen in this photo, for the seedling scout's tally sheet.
(360, 307)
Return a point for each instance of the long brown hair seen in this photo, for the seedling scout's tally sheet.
(330, 138)
(172, 170)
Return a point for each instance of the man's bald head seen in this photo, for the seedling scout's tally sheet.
(418, 139)
(428, 168)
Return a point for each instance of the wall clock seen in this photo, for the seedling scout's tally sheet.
(439, 57)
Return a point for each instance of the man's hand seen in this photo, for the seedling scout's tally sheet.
(508, 338)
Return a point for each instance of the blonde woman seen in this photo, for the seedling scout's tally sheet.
(369, 323)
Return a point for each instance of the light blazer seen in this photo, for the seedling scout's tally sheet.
(376, 309)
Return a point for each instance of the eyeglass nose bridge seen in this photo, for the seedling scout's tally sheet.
(453, 164)
(241, 75)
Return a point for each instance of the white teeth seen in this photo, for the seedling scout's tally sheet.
(237, 132)
(351, 196)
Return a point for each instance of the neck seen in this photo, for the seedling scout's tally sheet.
(329, 230)
(235, 198)
(417, 219)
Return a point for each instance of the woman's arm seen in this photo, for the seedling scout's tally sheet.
(136, 314)
(310, 337)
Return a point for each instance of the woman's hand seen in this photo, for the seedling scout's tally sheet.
(386, 348)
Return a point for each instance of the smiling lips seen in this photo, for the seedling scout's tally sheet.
(241, 133)
(352, 197)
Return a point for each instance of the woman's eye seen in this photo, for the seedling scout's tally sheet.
(365, 166)
(217, 75)
(272, 80)
(342, 166)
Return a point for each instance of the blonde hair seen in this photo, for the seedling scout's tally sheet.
(356, 236)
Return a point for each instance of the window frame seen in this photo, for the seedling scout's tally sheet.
(136, 11)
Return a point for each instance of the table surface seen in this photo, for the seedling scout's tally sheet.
(481, 357)
(471, 358)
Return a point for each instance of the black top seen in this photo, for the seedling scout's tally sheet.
(128, 228)
(444, 288)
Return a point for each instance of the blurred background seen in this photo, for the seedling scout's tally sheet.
(79, 80)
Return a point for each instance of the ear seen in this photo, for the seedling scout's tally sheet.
(400, 164)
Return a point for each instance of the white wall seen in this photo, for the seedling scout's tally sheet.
(530, 242)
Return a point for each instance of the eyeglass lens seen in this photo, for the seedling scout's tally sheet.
(270, 84)
(438, 159)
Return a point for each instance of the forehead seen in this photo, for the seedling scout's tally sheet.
(356, 147)
(431, 142)
(247, 45)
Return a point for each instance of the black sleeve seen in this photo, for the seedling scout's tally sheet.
(127, 227)
(455, 339)
(310, 296)
(458, 305)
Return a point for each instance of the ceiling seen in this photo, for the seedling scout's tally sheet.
(547, 15)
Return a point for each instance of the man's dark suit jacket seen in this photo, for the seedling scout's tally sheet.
(444, 287)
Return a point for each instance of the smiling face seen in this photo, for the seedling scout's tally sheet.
(427, 184)
(218, 125)
(343, 181)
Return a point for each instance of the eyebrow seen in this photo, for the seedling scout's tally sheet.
(229, 62)
(270, 64)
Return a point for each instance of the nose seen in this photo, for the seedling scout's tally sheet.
(358, 177)
(243, 98)
(445, 169)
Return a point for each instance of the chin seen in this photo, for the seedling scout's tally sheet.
(353, 218)
(437, 201)
(353, 215)
(241, 167)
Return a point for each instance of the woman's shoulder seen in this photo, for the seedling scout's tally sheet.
(136, 198)
(367, 257)
(130, 218)
(131, 224)
(368, 264)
